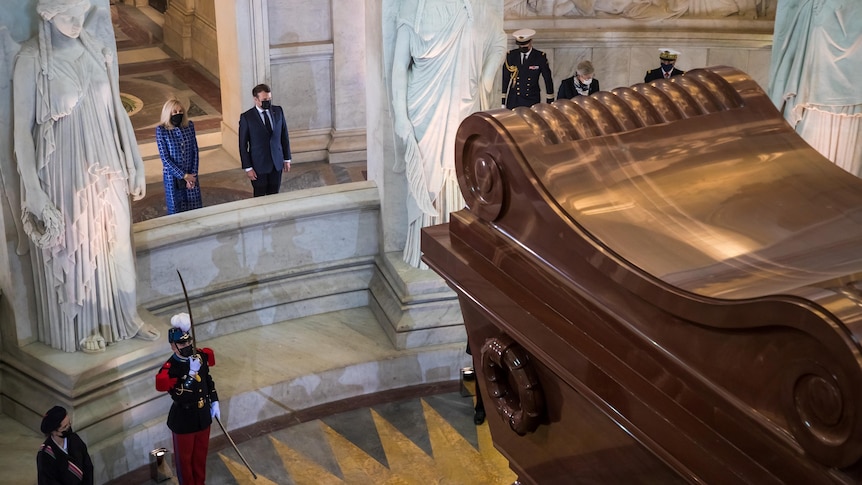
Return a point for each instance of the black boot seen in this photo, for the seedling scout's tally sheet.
(479, 416)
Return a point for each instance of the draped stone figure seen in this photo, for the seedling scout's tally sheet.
(447, 54)
(78, 162)
(814, 76)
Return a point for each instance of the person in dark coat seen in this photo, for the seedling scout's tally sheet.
(264, 145)
(521, 73)
(186, 377)
(63, 458)
(581, 84)
(666, 70)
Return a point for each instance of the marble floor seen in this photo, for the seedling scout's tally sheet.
(220, 185)
(422, 439)
(422, 434)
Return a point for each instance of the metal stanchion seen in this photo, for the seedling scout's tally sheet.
(160, 465)
(467, 374)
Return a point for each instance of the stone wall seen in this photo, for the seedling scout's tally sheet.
(622, 50)
(312, 55)
(190, 31)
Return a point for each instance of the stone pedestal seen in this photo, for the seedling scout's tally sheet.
(177, 29)
(415, 307)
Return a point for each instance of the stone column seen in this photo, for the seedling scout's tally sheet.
(348, 39)
(177, 29)
(414, 306)
(243, 39)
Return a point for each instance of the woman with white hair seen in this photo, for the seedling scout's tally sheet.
(79, 162)
(581, 84)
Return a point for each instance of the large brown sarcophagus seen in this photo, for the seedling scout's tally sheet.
(660, 284)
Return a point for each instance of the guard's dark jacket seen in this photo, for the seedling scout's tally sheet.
(190, 411)
(656, 74)
(72, 467)
(521, 81)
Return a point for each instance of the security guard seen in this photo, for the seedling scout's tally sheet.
(667, 69)
(521, 73)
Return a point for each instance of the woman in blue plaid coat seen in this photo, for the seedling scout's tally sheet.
(178, 149)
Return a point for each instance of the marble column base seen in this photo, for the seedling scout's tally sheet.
(415, 307)
(348, 146)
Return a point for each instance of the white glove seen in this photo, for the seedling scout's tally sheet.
(214, 410)
(194, 365)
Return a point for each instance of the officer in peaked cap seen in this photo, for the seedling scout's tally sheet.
(521, 73)
(666, 70)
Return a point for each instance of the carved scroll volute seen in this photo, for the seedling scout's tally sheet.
(512, 384)
(480, 175)
(821, 409)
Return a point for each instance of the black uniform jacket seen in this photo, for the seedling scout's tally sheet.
(70, 467)
(567, 88)
(192, 397)
(656, 74)
(521, 81)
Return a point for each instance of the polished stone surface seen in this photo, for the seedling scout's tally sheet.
(424, 439)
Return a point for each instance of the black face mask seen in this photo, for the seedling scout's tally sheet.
(266, 104)
(524, 48)
(187, 351)
(177, 119)
(67, 433)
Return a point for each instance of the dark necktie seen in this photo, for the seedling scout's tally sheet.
(523, 58)
(266, 121)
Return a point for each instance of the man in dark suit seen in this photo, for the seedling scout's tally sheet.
(264, 146)
(521, 73)
(667, 69)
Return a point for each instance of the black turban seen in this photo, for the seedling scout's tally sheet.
(52, 419)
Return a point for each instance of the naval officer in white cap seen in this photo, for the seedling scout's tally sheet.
(667, 69)
(521, 73)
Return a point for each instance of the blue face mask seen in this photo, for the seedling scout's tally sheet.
(667, 67)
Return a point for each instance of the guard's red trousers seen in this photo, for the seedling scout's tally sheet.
(190, 456)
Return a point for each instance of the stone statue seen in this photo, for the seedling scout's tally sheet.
(78, 161)
(814, 76)
(447, 54)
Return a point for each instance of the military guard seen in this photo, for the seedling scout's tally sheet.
(668, 59)
(521, 73)
(186, 377)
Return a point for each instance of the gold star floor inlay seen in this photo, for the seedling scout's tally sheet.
(430, 440)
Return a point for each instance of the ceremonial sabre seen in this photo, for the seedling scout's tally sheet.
(195, 343)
